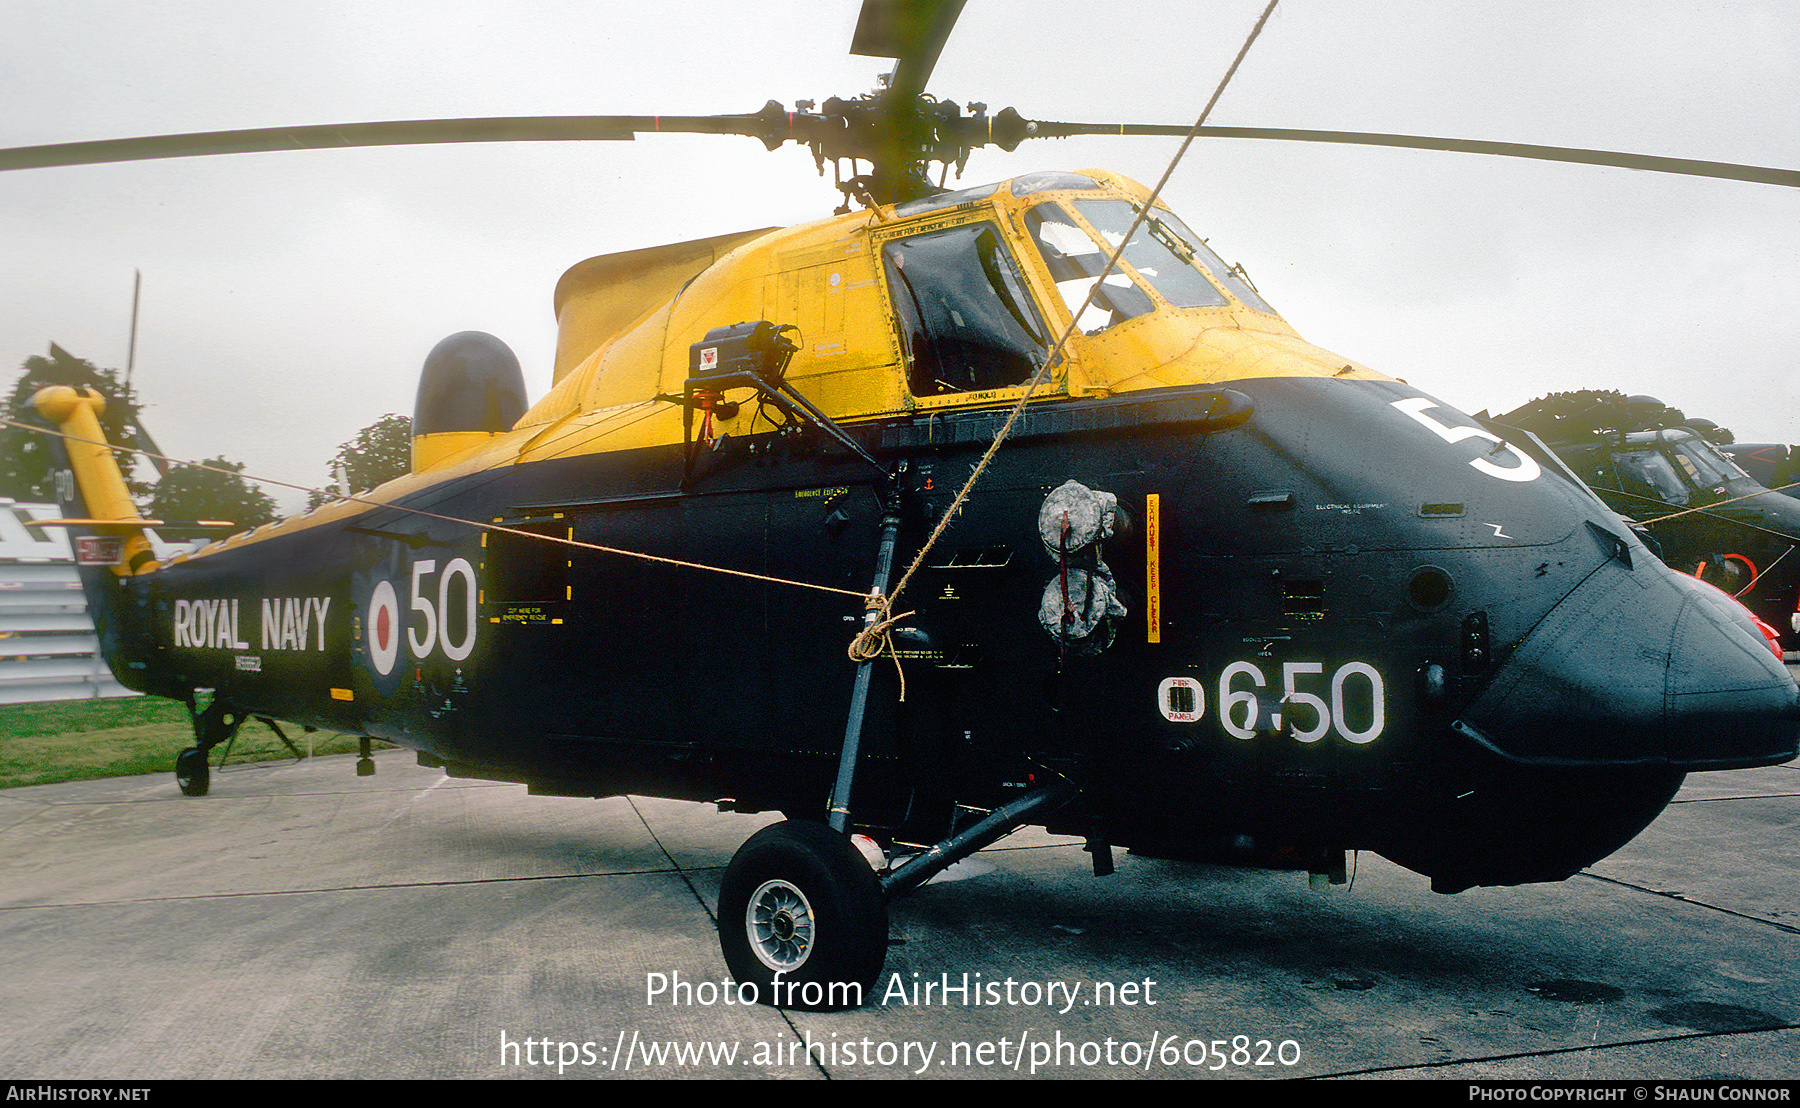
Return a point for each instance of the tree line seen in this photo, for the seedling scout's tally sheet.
(216, 489)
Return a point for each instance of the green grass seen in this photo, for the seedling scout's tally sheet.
(78, 739)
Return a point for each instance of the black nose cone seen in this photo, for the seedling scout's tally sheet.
(1639, 667)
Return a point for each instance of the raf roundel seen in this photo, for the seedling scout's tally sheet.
(384, 628)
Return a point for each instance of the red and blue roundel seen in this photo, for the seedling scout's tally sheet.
(384, 628)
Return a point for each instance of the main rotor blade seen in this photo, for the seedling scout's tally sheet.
(911, 31)
(773, 126)
(549, 128)
(1730, 171)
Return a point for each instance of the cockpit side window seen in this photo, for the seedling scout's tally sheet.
(966, 320)
(1074, 260)
(1158, 255)
(1647, 473)
(1705, 466)
(1230, 276)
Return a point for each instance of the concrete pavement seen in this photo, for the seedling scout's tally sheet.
(302, 922)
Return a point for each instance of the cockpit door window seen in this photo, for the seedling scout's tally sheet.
(1647, 474)
(966, 320)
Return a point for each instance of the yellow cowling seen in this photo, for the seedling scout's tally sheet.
(76, 413)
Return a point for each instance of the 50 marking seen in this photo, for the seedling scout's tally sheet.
(1352, 702)
(433, 626)
(437, 620)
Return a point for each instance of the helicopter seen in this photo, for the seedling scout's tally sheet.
(1115, 551)
(1703, 512)
(1769, 463)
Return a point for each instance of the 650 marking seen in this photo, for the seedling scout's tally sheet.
(1355, 692)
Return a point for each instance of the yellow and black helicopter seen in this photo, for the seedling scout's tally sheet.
(1212, 591)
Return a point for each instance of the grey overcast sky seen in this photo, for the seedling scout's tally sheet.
(290, 298)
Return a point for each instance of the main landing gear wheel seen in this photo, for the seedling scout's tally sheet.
(802, 916)
(192, 773)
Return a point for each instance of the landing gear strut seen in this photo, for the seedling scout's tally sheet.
(214, 724)
(804, 917)
(802, 913)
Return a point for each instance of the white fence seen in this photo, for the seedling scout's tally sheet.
(48, 648)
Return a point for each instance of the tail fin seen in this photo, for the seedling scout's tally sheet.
(110, 544)
(96, 494)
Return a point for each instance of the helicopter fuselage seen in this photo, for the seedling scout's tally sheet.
(1323, 611)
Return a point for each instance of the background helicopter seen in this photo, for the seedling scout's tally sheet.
(319, 283)
(1502, 714)
(1668, 472)
(1772, 463)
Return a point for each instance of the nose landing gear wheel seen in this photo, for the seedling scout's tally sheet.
(802, 916)
(192, 773)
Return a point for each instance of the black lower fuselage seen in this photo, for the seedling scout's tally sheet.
(1353, 620)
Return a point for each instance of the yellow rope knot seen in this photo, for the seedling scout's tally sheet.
(876, 638)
